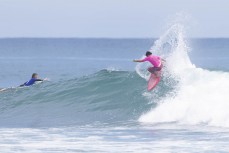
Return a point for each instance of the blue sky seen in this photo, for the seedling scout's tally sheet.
(110, 18)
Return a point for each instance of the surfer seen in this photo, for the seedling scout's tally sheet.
(32, 80)
(156, 61)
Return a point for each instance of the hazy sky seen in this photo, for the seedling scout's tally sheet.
(110, 18)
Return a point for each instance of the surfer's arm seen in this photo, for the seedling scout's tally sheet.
(138, 60)
(45, 79)
(39, 80)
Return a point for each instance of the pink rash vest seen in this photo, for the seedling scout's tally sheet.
(154, 60)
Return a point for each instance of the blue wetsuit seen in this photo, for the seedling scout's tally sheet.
(31, 82)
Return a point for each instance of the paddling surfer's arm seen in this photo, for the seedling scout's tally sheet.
(39, 79)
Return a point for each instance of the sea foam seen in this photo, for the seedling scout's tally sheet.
(201, 96)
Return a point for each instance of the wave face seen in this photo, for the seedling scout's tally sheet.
(106, 96)
(200, 96)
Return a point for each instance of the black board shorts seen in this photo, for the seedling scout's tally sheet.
(153, 69)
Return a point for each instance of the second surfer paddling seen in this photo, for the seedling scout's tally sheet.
(156, 61)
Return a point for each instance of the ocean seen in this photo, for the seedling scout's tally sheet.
(96, 99)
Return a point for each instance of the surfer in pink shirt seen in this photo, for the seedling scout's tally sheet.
(156, 61)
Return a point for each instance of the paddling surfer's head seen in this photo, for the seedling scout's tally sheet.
(148, 53)
(35, 75)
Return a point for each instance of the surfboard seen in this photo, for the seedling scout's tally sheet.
(5, 89)
(153, 81)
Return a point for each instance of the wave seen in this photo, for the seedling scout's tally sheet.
(106, 96)
(200, 96)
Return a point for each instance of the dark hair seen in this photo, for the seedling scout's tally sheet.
(148, 53)
(33, 75)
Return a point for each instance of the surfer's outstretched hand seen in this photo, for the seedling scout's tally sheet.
(46, 79)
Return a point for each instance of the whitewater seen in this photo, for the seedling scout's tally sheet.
(97, 98)
(200, 95)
